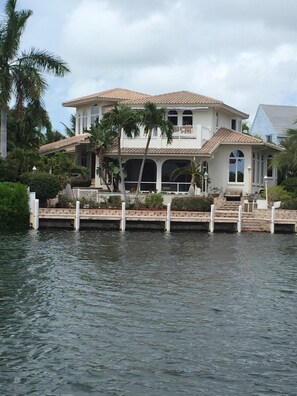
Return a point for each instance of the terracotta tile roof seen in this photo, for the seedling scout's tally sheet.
(176, 98)
(116, 94)
(228, 136)
(67, 144)
(155, 151)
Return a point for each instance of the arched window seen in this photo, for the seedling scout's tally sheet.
(187, 117)
(236, 167)
(269, 166)
(173, 117)
(94, 114)
(84, 120)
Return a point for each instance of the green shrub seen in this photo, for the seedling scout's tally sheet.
(154, 201)
(81, 182)
(88, 203)
(197, 204)
(291, 204)
(45, 185)
(135, 203)
(64, 201)
(290, 185)
(14, 206)
(114, 201)
(278, 193)
(6, 173)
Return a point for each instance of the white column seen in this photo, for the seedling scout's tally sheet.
(272, 220)
(168, 218)
(159, 175)
(239, 222)
(123, 221)
(211, 223)
(36, 214)
(77, 216)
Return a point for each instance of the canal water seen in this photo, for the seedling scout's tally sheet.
(147, 313)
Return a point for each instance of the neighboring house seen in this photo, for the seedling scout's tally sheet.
(271, 122)
(205, 130)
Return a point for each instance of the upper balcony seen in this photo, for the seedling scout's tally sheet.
(184, 136)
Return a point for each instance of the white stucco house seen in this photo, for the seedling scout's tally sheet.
(205, 130)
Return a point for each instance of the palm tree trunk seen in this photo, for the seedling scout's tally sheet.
(123, 188)
(143, 162)
(3, 145)
(100, 155)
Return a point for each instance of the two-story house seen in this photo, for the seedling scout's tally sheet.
(205, 130)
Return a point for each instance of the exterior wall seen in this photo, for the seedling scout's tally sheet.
(261, 126)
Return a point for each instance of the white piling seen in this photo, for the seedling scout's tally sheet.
(36, 214)
(123, 221)
(168, 218)
(77, 216)
(272, 220)
(211, 223)
(239, 222)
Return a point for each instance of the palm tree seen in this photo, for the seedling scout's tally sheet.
(152, 118)
(70, 131)
(287, 159)
(192, 169)
(122, 119)
(21, 73)
(101, 139)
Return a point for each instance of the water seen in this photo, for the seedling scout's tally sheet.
(147, 313)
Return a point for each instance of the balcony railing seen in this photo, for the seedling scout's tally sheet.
(184, 132)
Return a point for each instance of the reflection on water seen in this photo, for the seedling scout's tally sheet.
(140, 313)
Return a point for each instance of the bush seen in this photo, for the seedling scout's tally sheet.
(81, 182)
(278, 193)
(290, 185)
(197, 204)
(64, 201)
(45, 185)
(114, 201)
(135, 203)
(6, 173)
(291, 204)
(14, 206)
(154, 201)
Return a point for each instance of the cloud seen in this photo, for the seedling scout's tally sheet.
(242, 52)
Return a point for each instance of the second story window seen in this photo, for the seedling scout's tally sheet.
(94, 114)
(187, 117)
(269, 166)
(173, 117)
(233, 124)
(84, 121)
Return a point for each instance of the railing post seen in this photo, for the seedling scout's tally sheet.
(123, 221)
(168, 218)
(239, 222)
(77, 216)
(211, 223)
(272, 220)
(36, 214)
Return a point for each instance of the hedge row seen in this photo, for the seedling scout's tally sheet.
(198, 204)
(14, 206)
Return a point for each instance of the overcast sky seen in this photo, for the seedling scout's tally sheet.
(243, 52)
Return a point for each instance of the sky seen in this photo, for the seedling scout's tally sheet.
(243, 52)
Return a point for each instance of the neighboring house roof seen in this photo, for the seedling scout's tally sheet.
(281, 117)
(67, 144)
(114, 95)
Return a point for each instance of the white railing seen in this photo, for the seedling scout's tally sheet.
(184, 132)
(178, 187)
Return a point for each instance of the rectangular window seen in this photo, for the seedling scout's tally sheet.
(233, 125)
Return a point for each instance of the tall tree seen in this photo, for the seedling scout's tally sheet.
(70, 131)
(21, 74)
(286, 160)
(101, 139)
(153, 118)
(122, 119)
